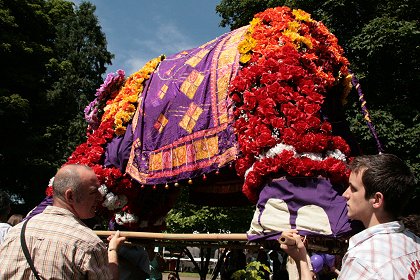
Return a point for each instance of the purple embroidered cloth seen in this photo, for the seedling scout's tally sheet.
(310, 205)
(183, 124)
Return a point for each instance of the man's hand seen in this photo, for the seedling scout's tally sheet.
(115, 241)
(291, 242)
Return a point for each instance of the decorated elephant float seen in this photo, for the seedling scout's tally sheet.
(264, 102)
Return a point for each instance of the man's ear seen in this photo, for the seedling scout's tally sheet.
(69, 195)
(378, 200)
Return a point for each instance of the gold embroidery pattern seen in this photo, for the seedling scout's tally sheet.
(169, 71)
(137, 143)
(193, 61)
(227, 57)
(190, 118)
(206, 147)
(181, 54)
(191, 84)
(160, 123)
(163, 91)
(179, 156)
(155, 162)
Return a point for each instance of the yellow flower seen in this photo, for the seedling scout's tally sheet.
(302, 15)
(118, 122)
(293, 26)
(120, 118)
(130, 108)
(252, 42)
(122, 108)
(305, 41)
(120, 130)
(247, 44)
(254, 22)
(291, 34)
(245, 58)
(132, 98)
(296, 38)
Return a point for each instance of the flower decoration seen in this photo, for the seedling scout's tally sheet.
(107, 91)
(290, 63)
(123, 106)
(126, 218)
(121, 103)
(248, 43)
(49, 190)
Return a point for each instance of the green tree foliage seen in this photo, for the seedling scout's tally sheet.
(53, 55)
(253, 271)
(187, 218)
(382, 42)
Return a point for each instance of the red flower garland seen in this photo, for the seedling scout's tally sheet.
(279, 94)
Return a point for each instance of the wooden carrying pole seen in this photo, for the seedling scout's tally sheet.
(178, 236)
(316, 243)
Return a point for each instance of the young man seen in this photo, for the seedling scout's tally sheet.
(379, 187)
(59, 243)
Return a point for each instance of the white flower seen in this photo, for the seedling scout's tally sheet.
(113, 201)
(313, 156)
(337, 154)
(50, 183)
(125, 218)
(103, 190)
(276, 150)
(249, 170)
(110, 200)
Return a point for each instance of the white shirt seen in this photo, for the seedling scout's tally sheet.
(4, 228)
(384, 251)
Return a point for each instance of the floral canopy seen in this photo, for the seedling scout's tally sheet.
(267, 98)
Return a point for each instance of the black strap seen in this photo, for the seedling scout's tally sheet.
(26, 251)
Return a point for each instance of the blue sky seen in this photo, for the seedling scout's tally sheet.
(138, 30)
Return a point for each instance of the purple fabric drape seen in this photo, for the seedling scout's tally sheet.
(183, 124)
(287, 199)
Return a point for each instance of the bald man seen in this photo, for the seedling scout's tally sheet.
(60, 245)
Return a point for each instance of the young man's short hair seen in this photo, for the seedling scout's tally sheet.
(389, 175)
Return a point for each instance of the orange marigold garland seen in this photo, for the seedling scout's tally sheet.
(123, 106)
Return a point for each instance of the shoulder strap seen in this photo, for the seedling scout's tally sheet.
(26, 251)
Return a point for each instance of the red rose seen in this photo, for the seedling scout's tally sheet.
(242, 164)
(49, 191)
(250, 101)
(277, 122)
(340, 144)
(236, 98)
